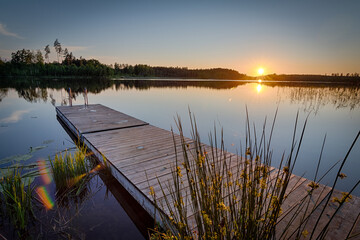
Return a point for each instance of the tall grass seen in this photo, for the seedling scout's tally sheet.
(216, 195)
(70, 171)
(17, 200)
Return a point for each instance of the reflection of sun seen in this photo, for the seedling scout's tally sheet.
(261, 71)
(258, 88)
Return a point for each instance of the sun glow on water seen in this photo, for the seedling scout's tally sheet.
(258, 88)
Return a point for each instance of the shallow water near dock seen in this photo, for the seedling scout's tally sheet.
(29, 130)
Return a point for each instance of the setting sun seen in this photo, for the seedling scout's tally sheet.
(260, 71)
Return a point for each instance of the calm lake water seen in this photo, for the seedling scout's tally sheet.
(29, 130)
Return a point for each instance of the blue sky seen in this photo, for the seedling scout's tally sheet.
(280, 36)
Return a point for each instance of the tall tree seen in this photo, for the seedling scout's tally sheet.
(47, 52)
(65, 53)
(58, 49)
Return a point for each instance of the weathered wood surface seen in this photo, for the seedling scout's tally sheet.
(142, 155)
(93, 118)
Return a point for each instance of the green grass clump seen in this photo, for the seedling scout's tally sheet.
(70, 171)
(16, 195)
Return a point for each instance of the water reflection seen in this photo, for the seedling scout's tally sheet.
(258, 88)
(3, 93)
(14, 117)
(178, 83)
(34, 90)
(312, 96)
(157, 102)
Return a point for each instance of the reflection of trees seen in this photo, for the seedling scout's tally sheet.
(313, 97)
(33, 94)
(3, 93)
(148, 84)
(33, 90)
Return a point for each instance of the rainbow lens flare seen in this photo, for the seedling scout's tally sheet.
(45, 197)
(44, 173)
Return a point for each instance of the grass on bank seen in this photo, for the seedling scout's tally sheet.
(213, 195)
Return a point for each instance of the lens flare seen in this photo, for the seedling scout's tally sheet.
(45, 197)
(97, 168)
(44, 173)
(74, 180)
(89, 154)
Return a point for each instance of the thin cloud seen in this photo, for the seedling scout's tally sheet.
(5, 32)
(14, 117)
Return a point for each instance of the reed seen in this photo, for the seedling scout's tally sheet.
(16, 195)
(70, 172)
(243, 200)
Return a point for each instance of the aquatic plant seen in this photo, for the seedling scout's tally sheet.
(16, 195)
(21, 201)
(70, 171)
(214, 194)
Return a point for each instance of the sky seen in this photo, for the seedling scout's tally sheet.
(283, 37)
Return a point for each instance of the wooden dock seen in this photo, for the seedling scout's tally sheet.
(141, 155)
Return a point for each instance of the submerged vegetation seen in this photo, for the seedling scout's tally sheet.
(216, 195)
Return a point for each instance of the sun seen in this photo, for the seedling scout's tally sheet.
(261, 71)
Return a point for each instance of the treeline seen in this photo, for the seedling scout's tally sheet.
(29, 63)
(177, 72)
(350, 78)
(33, 63)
